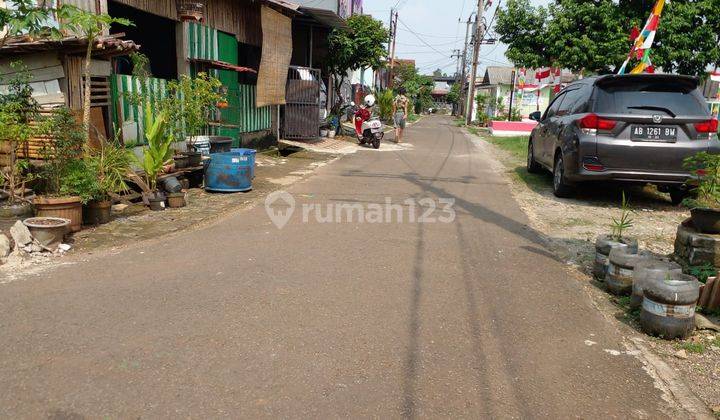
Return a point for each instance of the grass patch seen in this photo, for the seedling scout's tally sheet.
(517, 146)
(689, 347)
(576, 222)
(413, 118)
(474, 131)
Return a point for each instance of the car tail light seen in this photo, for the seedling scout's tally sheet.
(709, 126)
(592, 121)
(593, 164)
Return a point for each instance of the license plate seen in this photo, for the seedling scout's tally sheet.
(653, 133)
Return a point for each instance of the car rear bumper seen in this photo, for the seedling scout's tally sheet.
(652, 177)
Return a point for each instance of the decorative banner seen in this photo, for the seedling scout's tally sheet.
(643, 42)
(521, 77)
(276, 55)
(542, 74)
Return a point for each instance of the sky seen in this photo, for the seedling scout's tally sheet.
(437, 31)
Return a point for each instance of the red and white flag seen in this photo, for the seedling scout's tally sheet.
(542, 74)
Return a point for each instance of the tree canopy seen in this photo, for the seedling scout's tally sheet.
(359, 46)
(593, 35)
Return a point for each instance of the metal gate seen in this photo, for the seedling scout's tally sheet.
(302, 109)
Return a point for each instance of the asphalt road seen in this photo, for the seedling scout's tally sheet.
(472, 318)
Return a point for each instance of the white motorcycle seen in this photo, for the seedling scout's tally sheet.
(369, 129)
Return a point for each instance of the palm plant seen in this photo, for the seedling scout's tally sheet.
(158, 150)
(110, 163)
(625, 222)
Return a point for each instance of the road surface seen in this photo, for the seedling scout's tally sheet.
(472, 318)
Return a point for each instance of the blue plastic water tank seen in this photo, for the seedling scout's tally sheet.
(249, 153)
(230, 171)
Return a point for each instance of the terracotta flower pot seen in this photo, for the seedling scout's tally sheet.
(61, 207)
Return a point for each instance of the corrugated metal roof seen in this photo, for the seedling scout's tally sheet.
(325, 17)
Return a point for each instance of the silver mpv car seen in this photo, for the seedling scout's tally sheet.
(628, 128)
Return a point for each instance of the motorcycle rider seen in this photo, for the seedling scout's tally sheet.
(364, 113)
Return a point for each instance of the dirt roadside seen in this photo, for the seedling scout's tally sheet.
(571, 226)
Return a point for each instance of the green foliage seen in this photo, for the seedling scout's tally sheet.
(419, 88)
(360, 46)
(523, 28)
(78, 180)
(189, 103)
(26, 17)
(90, 26)
(482, 100)
(702, 272)
(625, 221)
(18, 110)
(158, 150)
(453, 97)
(63, 152)
(109, 164)
(385, 100)
(592, 36)
(706, 166)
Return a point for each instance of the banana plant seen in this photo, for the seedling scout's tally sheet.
(158, 150)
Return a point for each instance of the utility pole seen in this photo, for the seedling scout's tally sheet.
(479, 35)
(463, 70)
(458, 54)
(393, 35)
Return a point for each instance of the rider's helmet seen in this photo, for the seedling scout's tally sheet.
(370, 101)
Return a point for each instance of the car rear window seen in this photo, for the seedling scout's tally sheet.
(630, 98)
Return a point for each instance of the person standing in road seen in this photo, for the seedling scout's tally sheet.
(400, 112)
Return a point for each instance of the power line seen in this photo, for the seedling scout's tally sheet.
(419, 38)
(430, 35)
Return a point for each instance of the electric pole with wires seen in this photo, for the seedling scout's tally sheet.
(478, 39)
(391, 45)
(463, 68)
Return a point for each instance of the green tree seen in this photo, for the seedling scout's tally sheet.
(586, 35)
(418, 87)
(189, 104)
(360, 46)
(89, 26)
(30, 18)
(593, 35)
(453, 97)
(523, 28)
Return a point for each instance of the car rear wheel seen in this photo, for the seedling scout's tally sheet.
(677, 195)
(532, 166)
(561, 188)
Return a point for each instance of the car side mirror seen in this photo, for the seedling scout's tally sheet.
(535, 116)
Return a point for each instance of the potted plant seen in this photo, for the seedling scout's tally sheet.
(18, 124)
(616, 239)
(109, 164)
(705, 206)
(156, 154)
(66, 184)
(189, 104)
